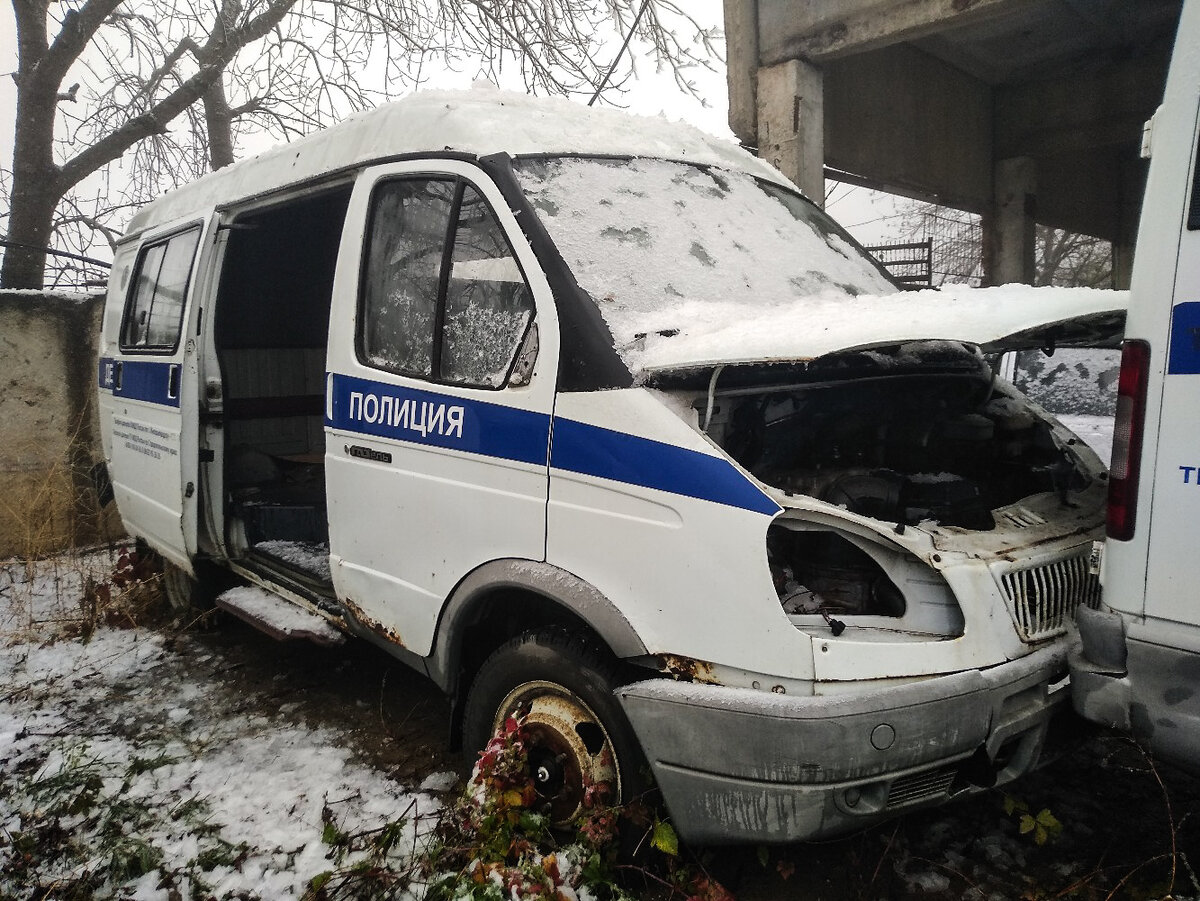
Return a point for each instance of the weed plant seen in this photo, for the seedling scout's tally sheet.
(496, 843)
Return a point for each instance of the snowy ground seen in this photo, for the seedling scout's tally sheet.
(168, 765)
(129, 744)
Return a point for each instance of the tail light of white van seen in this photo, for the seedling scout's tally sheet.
(1127, 439)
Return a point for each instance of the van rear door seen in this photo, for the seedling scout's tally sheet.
(148, 389)
(1175, 505)
(438, 395)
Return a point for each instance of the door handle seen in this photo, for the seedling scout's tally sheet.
(118, 367)
(173, 381)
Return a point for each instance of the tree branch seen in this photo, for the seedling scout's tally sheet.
(78, 27)
(154, 120)
(187, 45)
(31, 38)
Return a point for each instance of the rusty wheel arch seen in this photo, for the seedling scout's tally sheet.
(507, 598)
(495, 618)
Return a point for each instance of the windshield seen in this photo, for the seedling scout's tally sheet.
(664, 246)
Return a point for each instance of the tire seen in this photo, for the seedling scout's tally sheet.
(186, 594)
(576, 733)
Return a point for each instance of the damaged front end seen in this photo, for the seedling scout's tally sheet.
(918, 490)
(933, 546)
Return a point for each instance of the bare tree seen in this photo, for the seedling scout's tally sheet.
(1064, 258)
(1072, 259)
(168, 87)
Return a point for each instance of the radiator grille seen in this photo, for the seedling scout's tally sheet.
(918, 787)
(1042, 597)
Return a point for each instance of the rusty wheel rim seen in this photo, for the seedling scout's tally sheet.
(571, 756)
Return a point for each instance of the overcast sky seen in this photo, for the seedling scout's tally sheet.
(868, 216)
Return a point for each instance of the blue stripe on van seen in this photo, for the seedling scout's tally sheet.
(1183, 358)
(473, 426)
(493, 430)
(148, 380)
(620, 457)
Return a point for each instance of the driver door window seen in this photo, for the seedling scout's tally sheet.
(443, 296)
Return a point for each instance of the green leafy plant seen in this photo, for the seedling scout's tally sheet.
(1042, 826)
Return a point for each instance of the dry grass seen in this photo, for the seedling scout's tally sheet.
(48, 502)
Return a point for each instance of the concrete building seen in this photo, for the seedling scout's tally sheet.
(1022, 111)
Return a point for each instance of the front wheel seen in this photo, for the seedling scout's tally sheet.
(582, 752)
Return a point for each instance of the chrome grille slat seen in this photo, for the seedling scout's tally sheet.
(1042, 597)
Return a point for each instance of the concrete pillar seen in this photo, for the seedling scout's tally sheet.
(791, 124)
(1122, 262)
(1010, 244)
(741, 62)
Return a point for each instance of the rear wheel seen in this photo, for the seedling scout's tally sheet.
(582, 752)
(187, 593)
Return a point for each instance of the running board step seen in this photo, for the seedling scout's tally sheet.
(279, 618)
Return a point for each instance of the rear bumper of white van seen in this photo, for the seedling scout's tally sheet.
(736, 765)
(1146, 686)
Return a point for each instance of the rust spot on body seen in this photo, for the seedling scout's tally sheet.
(685, 669)
(374, 625)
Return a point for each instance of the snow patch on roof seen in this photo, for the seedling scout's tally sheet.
(752, 328)
(476, 122)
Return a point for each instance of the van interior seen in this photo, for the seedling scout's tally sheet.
(271, 331)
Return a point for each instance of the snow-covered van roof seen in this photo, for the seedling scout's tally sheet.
(479, 122)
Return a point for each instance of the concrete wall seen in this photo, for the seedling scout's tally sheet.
(49, 433)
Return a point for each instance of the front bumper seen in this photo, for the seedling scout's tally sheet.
(736, 765)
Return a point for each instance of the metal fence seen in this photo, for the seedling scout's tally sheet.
(909, 262)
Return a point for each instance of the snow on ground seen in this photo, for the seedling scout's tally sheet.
(123, 742)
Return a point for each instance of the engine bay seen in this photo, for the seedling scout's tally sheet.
(920, 434)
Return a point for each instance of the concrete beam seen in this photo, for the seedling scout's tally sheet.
(818, 30)
(908, 120)
(1102, 106)
(791, 124)
(1010, 244)
(1093, 192)
(741, 61)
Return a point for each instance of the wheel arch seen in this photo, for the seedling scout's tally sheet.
(502, 598)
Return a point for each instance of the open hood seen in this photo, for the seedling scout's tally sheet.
(1008, 317)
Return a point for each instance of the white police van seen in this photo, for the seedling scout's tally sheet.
(595, 419)
(1139, 668)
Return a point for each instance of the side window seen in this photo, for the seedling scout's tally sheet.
(488, 305)
(410, 220)
(443, 297)
(154, 313)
